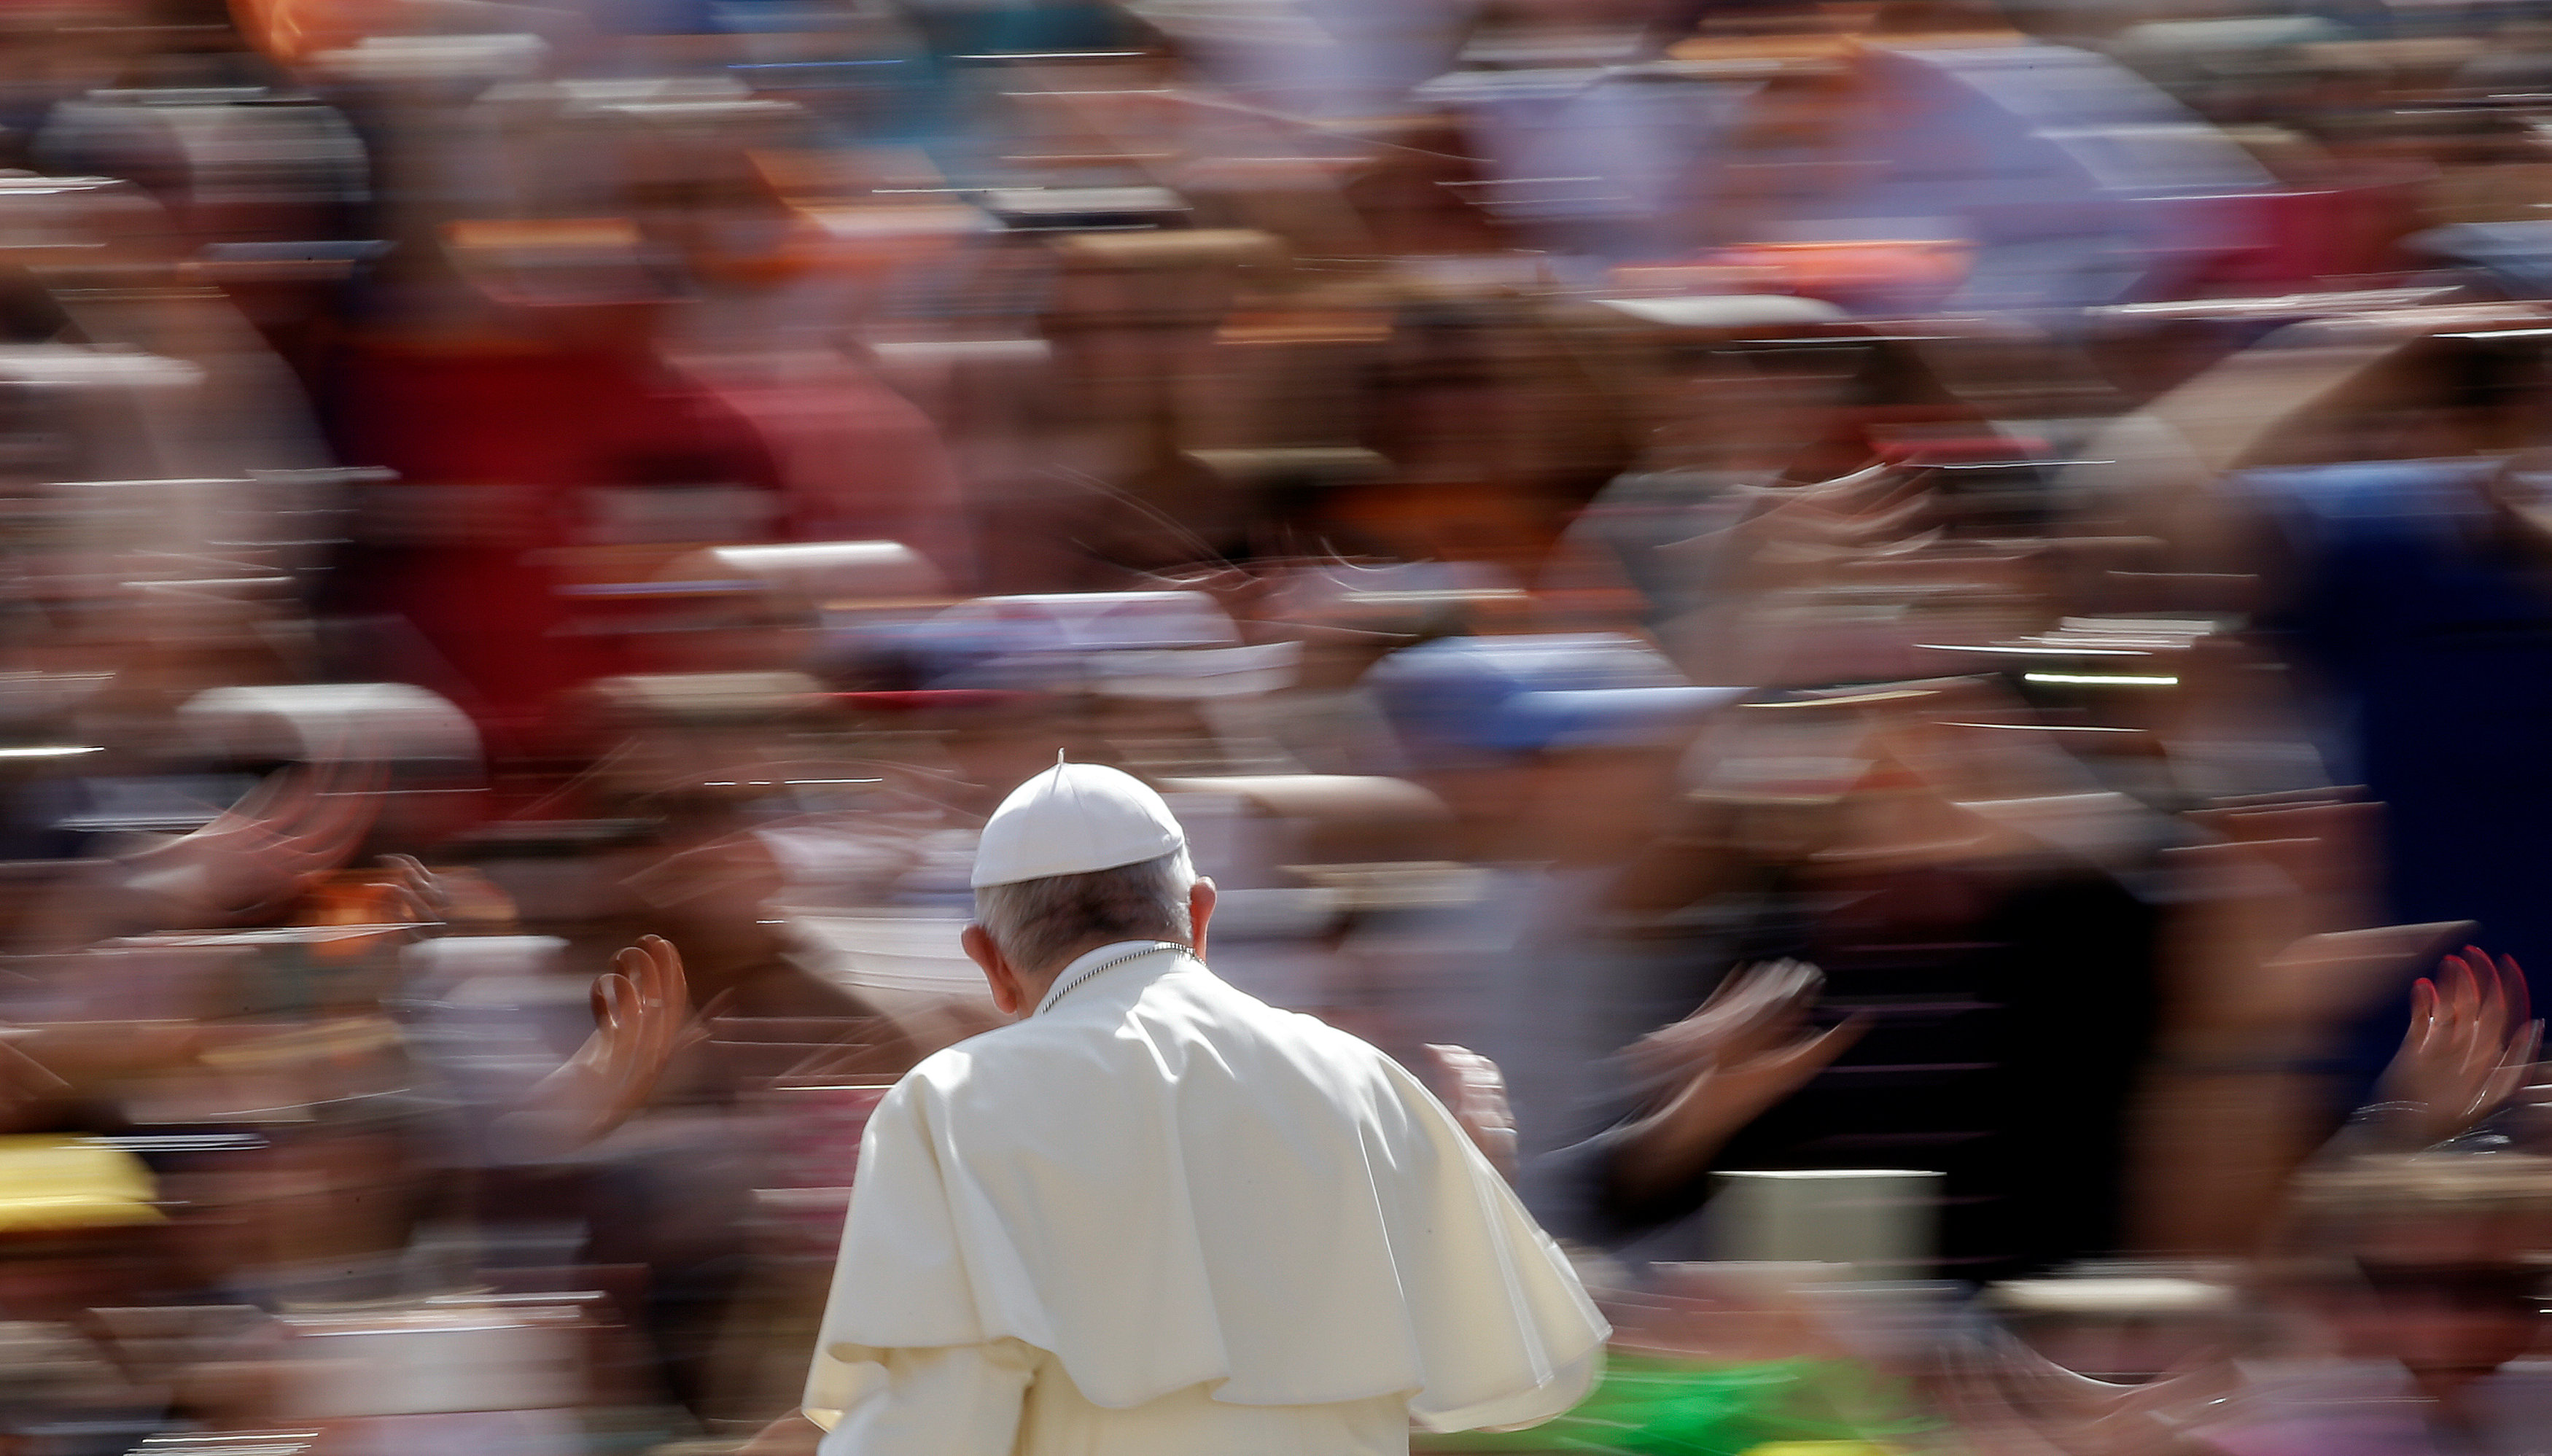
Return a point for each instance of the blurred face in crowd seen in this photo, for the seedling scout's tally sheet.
(2450, 1293)
(2448, 1321)
(315, 1197)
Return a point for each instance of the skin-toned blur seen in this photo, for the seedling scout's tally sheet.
(1903, 648)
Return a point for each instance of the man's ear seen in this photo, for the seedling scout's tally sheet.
(1007, 994)
(1200, 910)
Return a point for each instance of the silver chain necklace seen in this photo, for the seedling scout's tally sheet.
(1068, 987)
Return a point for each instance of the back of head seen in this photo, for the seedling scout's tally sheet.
(1041, 924)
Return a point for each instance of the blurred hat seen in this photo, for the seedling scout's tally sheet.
(391, 722)
(1119, 644)
(1074, 819)
(1603, 717)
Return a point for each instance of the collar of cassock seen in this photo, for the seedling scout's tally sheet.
(1091, 965)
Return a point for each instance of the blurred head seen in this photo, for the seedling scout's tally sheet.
(2440, 1257)
(301, 1206)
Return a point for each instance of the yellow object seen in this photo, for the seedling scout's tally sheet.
(50, 1182)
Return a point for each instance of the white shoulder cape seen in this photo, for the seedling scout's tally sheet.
(1166, 1183)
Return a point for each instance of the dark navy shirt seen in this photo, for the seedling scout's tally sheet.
(2425, 633)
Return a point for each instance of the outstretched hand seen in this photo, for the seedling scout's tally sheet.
(251, 860)
(1752, 1009)
(1724, 1065)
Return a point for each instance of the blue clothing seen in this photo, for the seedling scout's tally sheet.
(2427, 633)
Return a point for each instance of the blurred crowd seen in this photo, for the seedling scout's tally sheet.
(2002, 554)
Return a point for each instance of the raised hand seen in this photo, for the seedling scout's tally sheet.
(642, 1019)
(2470, 1045)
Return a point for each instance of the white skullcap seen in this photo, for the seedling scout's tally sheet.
(1072, 819)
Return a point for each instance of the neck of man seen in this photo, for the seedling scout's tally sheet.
(1040, 984)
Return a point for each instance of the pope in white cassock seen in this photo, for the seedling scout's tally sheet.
(1158, 1215)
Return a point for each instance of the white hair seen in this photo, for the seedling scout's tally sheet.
(1041, 924)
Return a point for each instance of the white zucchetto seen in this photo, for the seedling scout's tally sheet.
(1073, 820)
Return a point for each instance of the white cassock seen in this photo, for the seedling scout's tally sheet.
(1160, 1217)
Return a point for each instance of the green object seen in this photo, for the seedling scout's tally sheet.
(1649, 1405)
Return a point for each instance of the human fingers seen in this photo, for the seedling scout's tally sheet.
(1735, 1003)
(277, 796)
(1735, 1094)
(2488, 992)
(610, 999)
(1749, 1010)
(1748, 1005)
(634, 966)
(402, 903)
(1453, 1061)
(332, 782)
(1891, 519)
(1859, 479)
(1784, 1001)
(2455, 997)
(665, 968)
(338, 821)
(424, 883)
(1467, 1067)
(1472, 1081)
(1816, 1053)
(2464, 1003)
(1732, 999)
(2491, 1022)
(1847, 496)
(1749, 990)
(634, 961)
(1736, 985)
(668, 1003)
(338, 772)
